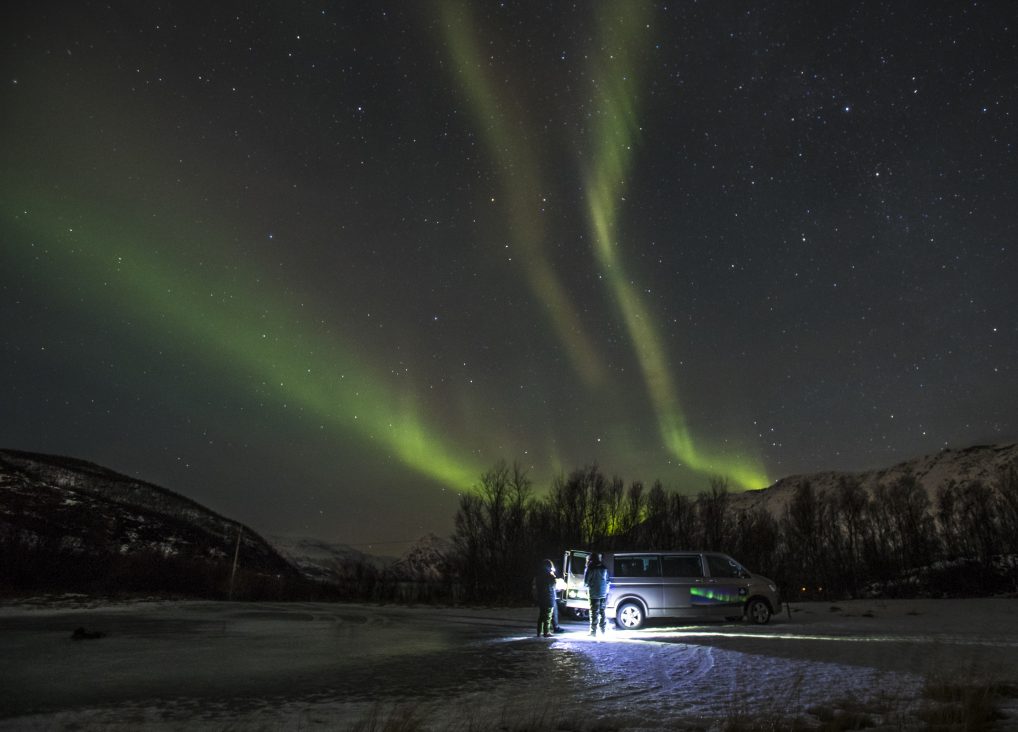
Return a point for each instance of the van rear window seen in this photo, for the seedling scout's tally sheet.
(577, 564)
(687, 566)
(648, 566)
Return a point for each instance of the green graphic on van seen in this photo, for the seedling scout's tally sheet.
(718, 595)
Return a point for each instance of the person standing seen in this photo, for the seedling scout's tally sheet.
(595, 578)
(544, 594)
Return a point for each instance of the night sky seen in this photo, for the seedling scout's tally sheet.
(318, 265)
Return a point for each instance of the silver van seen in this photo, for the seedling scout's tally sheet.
(672, 584)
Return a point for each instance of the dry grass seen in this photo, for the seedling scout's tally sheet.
(410, 718)
(398, 718)
(973, 705)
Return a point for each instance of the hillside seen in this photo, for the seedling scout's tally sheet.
(324, 561)
(426, 561)
(84, 517)
(983, 463)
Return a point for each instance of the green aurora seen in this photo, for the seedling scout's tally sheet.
(268, 340)
(521, 179)
(125, 253)
(617, 130)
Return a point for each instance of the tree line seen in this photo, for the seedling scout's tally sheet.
(841, 542)
(833, 543)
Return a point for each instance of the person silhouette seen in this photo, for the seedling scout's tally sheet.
(595, 578)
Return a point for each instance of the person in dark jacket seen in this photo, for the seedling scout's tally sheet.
(595, 578)
(544, 593)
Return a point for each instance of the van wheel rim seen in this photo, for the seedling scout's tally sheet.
(631, 617)
(758, 612)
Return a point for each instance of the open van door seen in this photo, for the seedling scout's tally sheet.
(575, 595)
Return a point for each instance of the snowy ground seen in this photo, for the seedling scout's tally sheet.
(206, 665)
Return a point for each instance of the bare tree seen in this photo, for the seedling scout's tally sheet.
(905, 533)
(636, 505)
(682, 522)
(807, 530)
(468, 539)
(491, 536)
(851, 504)
(656, 531)
(757, 540)
(712, 511)
(1007, 509)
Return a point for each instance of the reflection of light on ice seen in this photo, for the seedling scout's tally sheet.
(669, 636)
(631, 672)
(673, 636)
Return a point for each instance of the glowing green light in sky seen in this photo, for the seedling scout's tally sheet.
(260, 339)
(616, 129)
(519, 172)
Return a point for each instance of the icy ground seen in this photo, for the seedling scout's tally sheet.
(187, 665)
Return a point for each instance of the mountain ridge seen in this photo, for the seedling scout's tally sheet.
(80, 509)
(933, 472)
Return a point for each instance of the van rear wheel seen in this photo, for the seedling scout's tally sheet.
(630, 616)
(758, 611)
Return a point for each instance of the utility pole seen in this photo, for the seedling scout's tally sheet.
(236, 556)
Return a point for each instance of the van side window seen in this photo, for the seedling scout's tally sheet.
(722, 566)
(686, 566)
(646, 566)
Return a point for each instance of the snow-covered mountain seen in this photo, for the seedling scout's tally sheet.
(426, 561)
(64, 505)
(983, 463)
(324, 561)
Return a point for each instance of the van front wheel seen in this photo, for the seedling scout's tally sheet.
(758, 611)
(630, 616)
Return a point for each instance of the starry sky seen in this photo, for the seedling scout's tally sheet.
(319, 265)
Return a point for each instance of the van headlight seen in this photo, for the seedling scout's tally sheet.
(773, 588)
